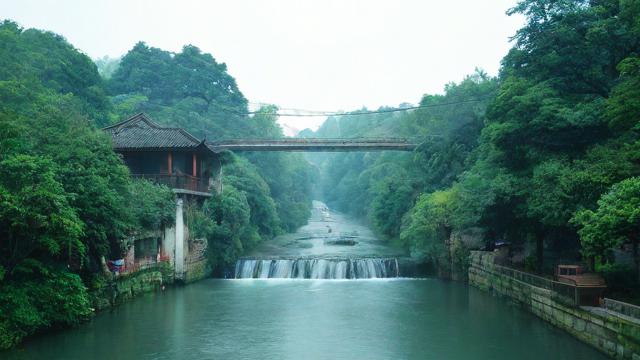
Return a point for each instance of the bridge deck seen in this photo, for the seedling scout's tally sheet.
(315, 145)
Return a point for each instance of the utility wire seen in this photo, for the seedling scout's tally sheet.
(311, 113)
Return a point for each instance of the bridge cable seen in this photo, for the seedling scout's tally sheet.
(311, 113)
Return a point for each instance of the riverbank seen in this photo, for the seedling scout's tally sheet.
(614, 334)
(114, 292)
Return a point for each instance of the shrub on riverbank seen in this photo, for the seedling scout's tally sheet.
(39, 297)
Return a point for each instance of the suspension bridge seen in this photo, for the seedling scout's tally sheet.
(314, 145)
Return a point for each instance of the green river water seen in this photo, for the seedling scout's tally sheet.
(312, 319)
(394, 318)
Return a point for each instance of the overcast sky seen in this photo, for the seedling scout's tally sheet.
(316, 55)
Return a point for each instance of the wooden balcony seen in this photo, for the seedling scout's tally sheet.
(180, 183)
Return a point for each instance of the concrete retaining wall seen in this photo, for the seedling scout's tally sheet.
(616, 335)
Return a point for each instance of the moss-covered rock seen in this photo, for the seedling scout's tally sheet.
(108, 291)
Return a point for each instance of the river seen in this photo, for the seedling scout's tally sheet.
(271, 318)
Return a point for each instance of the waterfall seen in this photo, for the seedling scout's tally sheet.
(317, 268)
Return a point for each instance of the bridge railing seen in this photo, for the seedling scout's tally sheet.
(312, 141)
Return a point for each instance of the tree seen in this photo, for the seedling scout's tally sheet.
(391, 201)
(428, 226)
(39, 229)
(616, 221)
(187, 89)
(623, 107)
(244, 177)
(35, 213)
(42, 57)
(226, 224)
(152, 206)
(40, 297)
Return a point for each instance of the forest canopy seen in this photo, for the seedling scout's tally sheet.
(540, 157)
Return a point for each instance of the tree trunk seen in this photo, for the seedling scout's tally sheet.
(592, 263)
(539, 250)
(636, 258)
(448, 243)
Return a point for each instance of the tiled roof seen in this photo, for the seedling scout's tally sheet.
(140, 133)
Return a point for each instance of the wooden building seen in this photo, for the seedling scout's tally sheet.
(173, 157)
(166, 155)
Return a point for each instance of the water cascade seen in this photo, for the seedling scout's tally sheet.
(317, 268)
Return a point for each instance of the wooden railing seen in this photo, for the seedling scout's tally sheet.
(184, 182)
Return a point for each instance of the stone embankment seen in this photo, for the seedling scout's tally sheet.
(611, 332)
(125, 287)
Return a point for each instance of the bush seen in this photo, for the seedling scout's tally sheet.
(621, 282)
(531, 263)
(152, 206)
(38, 298)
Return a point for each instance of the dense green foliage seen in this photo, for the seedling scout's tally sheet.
(36, 57)
(39, 297)
(615, 222)
(67, 201)
(193, 91)
(189, 89)
(225, 221)
(552, 139)
(384, 186)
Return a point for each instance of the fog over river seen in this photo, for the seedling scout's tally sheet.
(318, 239)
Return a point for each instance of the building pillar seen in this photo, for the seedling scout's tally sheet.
(195, 168)
(179, 244)
(169, 244)
(170, 161)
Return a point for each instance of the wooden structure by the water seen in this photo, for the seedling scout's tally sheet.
(173, 157)
(165, 155)
(589, 286)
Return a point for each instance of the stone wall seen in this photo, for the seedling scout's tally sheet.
(614, 334)
(197, 270)
(111, 292)
(196, 263)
